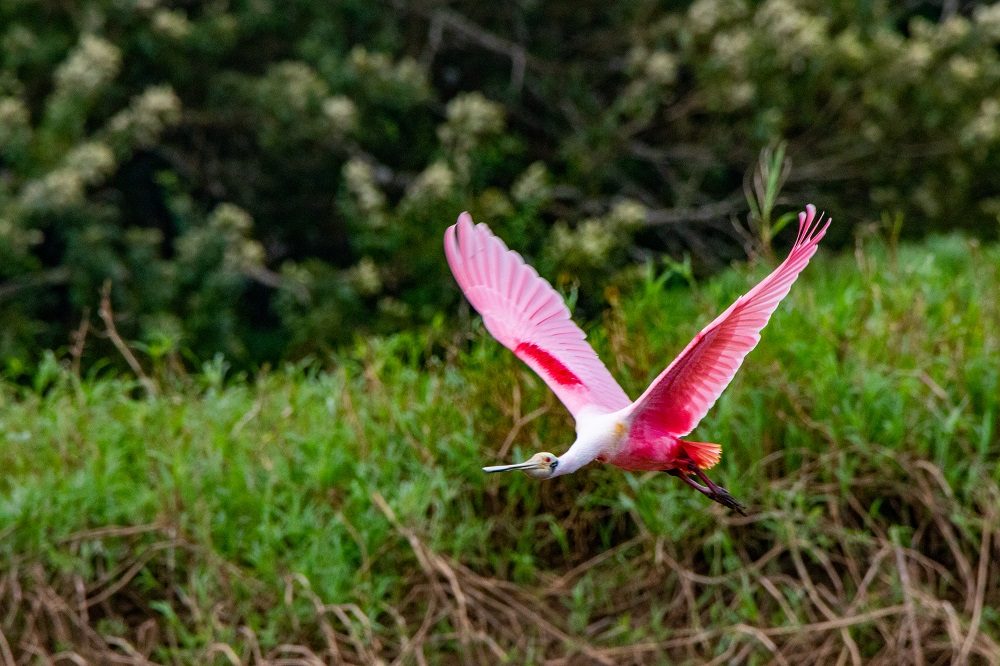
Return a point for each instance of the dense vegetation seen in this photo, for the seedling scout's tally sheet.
(341, 514)
(235, 425)
(268, 179)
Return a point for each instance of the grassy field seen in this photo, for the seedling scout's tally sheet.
(340, 515)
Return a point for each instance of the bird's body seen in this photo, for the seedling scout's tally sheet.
(524, 312)
(610, 438)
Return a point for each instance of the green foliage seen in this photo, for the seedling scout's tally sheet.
(305, 504)
(272, 179)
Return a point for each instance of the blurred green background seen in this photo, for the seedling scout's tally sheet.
(271, 179)
(243, 405)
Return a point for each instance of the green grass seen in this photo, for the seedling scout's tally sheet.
(343, 511)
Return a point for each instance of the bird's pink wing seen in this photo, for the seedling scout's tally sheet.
(524, 312)
(683, 393)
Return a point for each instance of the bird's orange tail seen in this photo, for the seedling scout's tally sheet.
(704, 454)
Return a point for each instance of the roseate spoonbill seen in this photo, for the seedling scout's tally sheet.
(525, 314)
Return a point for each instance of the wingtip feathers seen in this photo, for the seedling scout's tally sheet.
(810, 230)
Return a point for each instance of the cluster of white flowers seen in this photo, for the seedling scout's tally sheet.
(18, 38)
(231, 225)
(297, 85)
(13, 112)
(393, 307)
(849, 47)
(14, 121)
(988, 19)
(652, 72)
(244, 253)
(59, 189)
(90, 66)
(594, 238)
(794, 33)
(953, 32)
(494, 203)
(406, 73)
(171, 23)
(705, 15)
(627, 213)
(591, 241)
(366, 61)
(19, 235)
(365, 277)
(300, 278)
(887, 42)
(740, 95)
(916, 57)
(964, 69)
(661, 67)
(872, 131)
(732, 49)
(65, 186)
(532, 186)
(984, 129)
(92, 160)
(435, 182)
(360, 179)
(341, 112)
(470, 116)
(146, 117)
(230, 218)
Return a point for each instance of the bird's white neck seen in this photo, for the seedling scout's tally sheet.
(576, 457)
(595, 434)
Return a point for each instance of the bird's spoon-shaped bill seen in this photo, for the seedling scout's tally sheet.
(531, 464)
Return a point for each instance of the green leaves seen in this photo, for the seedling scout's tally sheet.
(350, 136)
(863, 424)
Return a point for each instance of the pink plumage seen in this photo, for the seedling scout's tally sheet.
(683, 393)
(524, 312)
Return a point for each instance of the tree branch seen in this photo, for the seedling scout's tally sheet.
(108, 317)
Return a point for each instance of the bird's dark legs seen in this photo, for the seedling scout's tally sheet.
(683, 476)
(711, 490)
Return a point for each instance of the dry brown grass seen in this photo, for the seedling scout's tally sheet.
(864, 597)
(859, 553)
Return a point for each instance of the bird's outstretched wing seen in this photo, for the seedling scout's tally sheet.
(524, 312)
(683, 393)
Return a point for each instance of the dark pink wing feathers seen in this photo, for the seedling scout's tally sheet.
(523, 312)
(683, 393)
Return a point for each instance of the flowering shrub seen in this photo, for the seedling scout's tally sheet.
(270, 179)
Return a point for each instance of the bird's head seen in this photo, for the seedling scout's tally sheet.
(539, 466)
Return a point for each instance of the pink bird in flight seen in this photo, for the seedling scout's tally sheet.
(525, 314)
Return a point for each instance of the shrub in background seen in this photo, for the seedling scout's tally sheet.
(270, 179)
